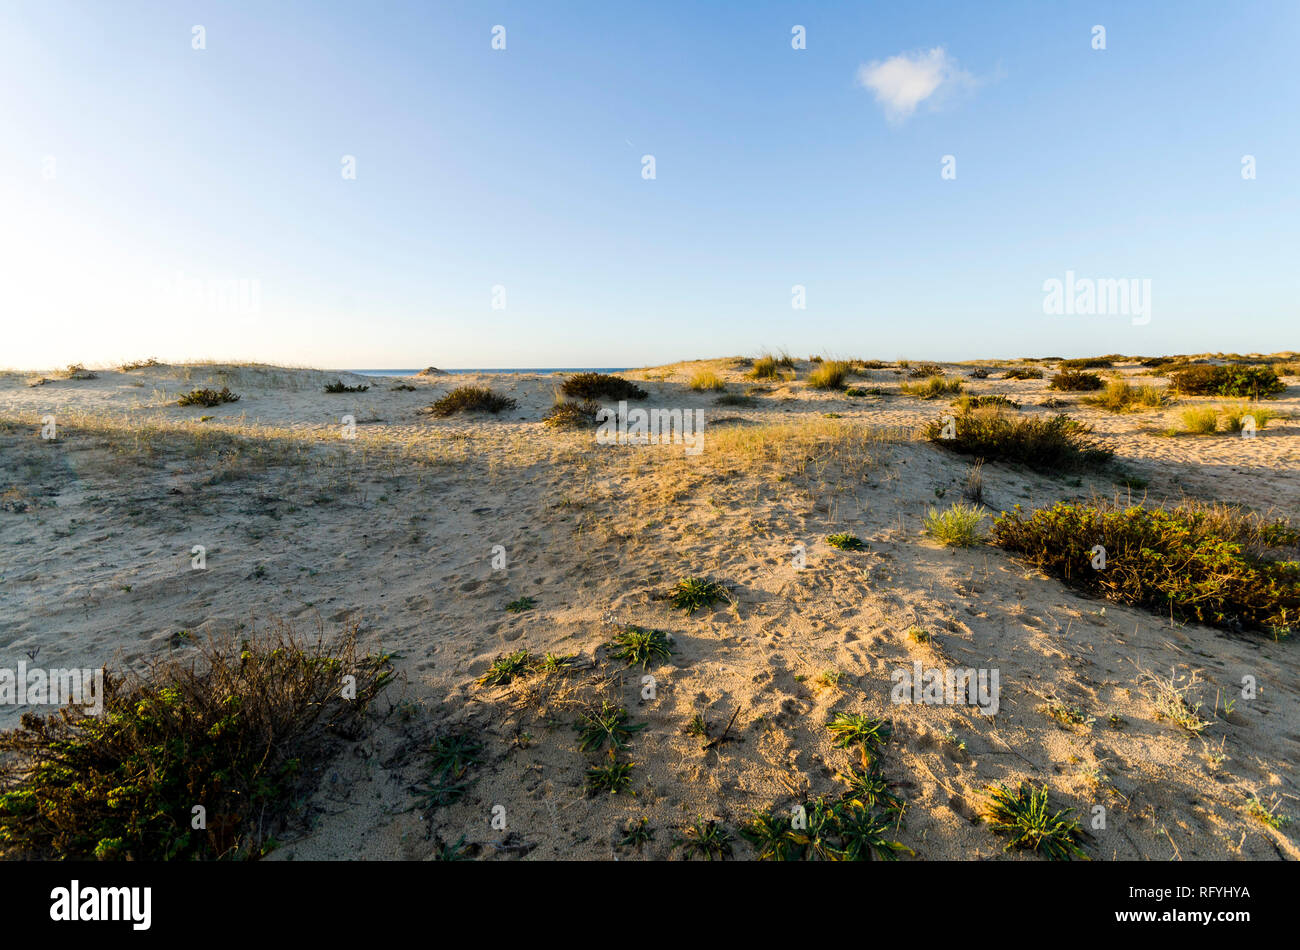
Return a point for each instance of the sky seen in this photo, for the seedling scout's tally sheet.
(374, 185)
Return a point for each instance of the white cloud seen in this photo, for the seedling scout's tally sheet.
(903, 82)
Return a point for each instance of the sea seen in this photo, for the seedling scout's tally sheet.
(526, 369)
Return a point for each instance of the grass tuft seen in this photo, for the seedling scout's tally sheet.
(958, 526)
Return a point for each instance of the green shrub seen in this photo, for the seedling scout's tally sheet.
(241, 728)
(601, 386)
(1023, 372)
(1097, 362)
(1194, 564)
(1072, 382)
(1241, 382)
(471, 399)
(1053, 444)
(338, 387)
(207, 397)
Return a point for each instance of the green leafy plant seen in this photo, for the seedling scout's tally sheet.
(605, 726)
(844, 541)
(507, 668)
(636, 645)
(208, 397)
(636, 832)
(856, 729)
(612, 776)
(1026, 817)
(705, 839)
(692, 593)
(338, 387)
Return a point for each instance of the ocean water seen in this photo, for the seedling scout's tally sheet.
(457, 372)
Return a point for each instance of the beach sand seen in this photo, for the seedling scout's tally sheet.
(394, 532)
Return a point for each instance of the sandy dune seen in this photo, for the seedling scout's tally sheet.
(394, 531)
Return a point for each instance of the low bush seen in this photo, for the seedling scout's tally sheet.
(471, 399)
(1054, 444)
(1023, 372)
(208, 397)
(1241, 382)
(601, 386)
(241, 729)
(567, 414)
(1210, 565)
(338, 387)
(1072, 381)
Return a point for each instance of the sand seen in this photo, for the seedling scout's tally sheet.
(394, 532)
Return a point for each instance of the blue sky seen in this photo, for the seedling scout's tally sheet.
(128, 158)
